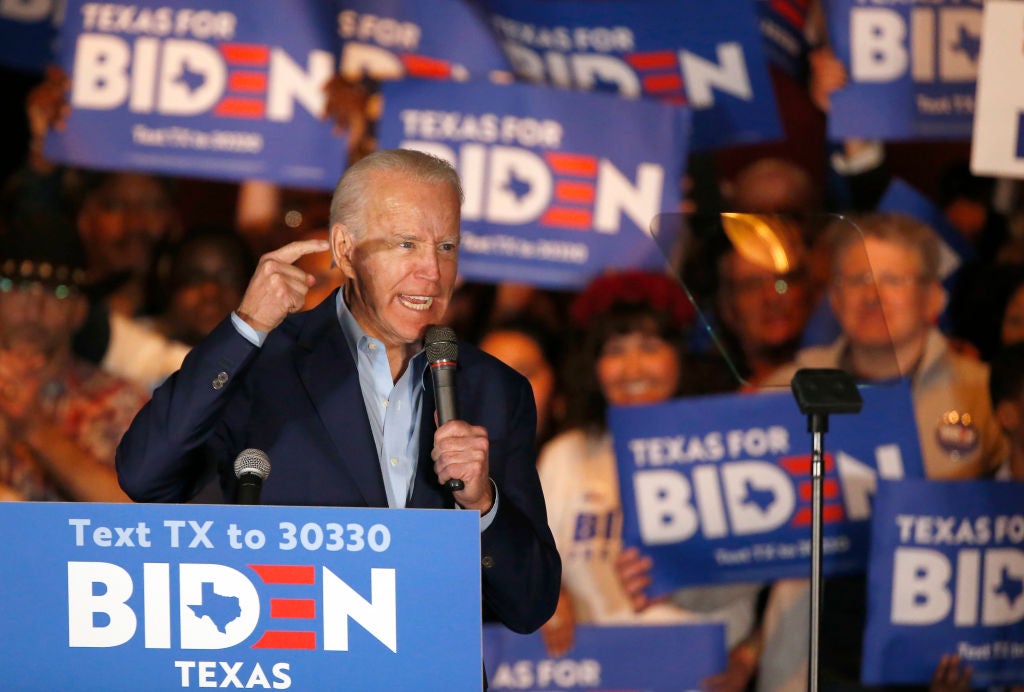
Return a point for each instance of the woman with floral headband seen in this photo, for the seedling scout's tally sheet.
(631, 328)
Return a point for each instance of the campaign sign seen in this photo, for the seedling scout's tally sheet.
(706, 55)
(28, 29)
(166, 597)
(997, 147)
(718, 489)
(229, 89)
(553, 194)
(653, 658)
(392, 39)
(946, 576)
(911, 68)
(782, 27)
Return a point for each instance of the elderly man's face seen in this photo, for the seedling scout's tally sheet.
(402, 270)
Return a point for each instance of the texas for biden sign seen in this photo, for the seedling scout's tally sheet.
(163, 597)
(719, 489)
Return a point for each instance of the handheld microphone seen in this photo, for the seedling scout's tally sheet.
(252, 466)
(442, 355)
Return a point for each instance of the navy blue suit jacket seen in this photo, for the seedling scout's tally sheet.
(298, 399)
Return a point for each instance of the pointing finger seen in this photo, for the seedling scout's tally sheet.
(294, 250)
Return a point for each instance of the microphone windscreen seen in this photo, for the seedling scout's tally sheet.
(441, 344)
(254, 461)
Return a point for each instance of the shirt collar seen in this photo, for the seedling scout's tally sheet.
(354, 336)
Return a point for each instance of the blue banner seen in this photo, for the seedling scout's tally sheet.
(706, 55)
(553, 194)
(28, 29)
(440, 39)
(911, 67)
(230, 90)
(946, 577)
(782, 26)
(654, 658)
(718, 489)
(162, 597)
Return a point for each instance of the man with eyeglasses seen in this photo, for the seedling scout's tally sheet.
(60, 417)
(886, 295)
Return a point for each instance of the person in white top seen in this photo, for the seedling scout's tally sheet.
(629, 352)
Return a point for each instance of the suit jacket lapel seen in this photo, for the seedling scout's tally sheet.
(328, 372)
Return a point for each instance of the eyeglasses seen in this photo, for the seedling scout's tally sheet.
(885, 281)
(30, 287)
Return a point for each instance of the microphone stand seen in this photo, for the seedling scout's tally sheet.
(820, 392)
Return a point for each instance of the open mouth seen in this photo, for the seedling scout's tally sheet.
(420, 303)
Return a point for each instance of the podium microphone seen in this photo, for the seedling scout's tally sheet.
(252, 466)
(443, 355)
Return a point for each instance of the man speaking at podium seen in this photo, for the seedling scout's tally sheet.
(339, 399)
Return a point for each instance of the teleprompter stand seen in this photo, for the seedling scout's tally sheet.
(820, 392)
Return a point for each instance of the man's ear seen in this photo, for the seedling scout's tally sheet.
(343, 247)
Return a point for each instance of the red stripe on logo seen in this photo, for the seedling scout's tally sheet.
(829, 514)
(577, 165)
(662, 82)
(304, 608)
(285, 574)
(237, 107)
(579, 193)
(801, 465)
(560, 217)
(245, 54)
(426, 68)
(829, 489)
(789, 12)
(658, 60)
(276, 639)
(247, 82)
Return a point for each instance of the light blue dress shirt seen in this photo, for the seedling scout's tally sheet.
(394, 408)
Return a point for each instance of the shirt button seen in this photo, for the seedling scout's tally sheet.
(220, 380)
(394, 461)
(373, 346)
(487, 562)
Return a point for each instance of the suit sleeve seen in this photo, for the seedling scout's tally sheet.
(521, 569)
(166, 452)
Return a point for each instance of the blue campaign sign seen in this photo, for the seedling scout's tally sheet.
(231, 90)
(390, 39)
(911, 68)
(28, 29)
(946, 577)
(706, 55)
(654, 658)
(163, 597)
(718, 489)
(553, 194)
(782, 26)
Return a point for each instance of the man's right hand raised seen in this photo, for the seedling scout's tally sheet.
(278, 287)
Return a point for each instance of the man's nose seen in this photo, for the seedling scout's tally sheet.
(430, 264)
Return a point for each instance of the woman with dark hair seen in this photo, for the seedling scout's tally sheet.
(629, 351)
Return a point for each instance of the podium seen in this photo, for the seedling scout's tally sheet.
(162, 597)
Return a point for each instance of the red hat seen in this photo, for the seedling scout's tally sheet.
(659, 291)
